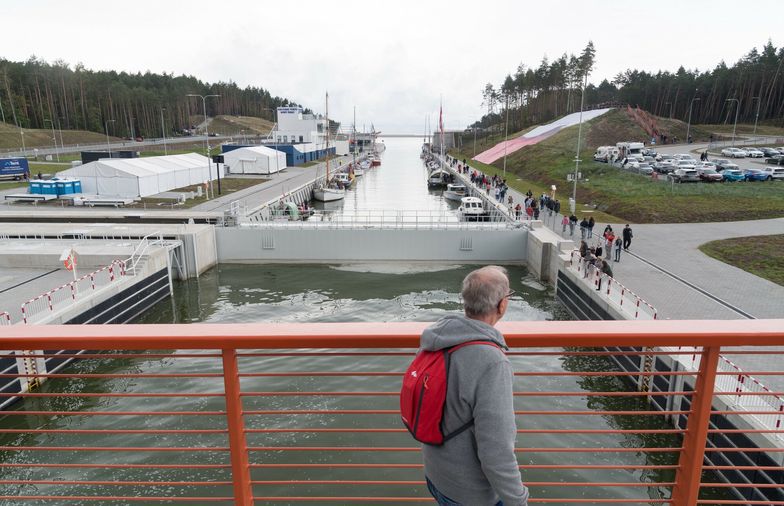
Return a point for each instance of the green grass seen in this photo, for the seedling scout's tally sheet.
(630, 197)
(228, 185)
(762, 256)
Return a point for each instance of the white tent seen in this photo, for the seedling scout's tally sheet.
(142, 177)
(254, 160)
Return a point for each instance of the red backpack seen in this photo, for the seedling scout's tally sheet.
(423, 394)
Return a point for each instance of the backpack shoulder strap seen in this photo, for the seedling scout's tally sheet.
(471, 343)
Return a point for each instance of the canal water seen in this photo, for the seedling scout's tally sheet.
(325, 293)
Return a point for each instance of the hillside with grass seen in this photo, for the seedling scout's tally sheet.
(11, 138)
(621, 196)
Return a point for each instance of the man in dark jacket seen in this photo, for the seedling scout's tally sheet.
(477, 466)
(627, 236)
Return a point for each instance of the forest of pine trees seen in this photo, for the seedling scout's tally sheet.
(34, 91)
(552, 89)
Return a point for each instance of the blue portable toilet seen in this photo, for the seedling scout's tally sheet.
(48, 188)
(35, 187)
(77, 186)
(63, 187)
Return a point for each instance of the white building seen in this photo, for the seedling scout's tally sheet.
(254, 160)
(295, 127)
(142, 177)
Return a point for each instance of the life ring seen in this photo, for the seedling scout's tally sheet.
(69, 263)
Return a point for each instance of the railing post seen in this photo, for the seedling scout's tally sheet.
(240, 467)
(689, 473)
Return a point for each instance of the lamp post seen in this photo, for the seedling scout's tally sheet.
(60, 129)
(54, 138)
(688, 125)
(163, 132)
(474, 141)
(275, 137)
(734, 126)
(577, 156)
(506, 132)
(206, 132)
(106, 129)
(756, 116)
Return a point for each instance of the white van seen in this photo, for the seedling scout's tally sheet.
(603, 153)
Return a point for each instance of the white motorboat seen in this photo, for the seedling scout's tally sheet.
(364, 164)
(455, 192)
(471, 209)
(359, 171)
(344, 179)
(438, 178)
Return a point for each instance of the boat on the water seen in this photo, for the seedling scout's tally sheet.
(439, 178)
(455, 192)
(344, 179)
(471, 209)
(329, 190)
(364, 164)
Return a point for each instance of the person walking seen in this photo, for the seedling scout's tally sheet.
(572, 224)
(618, 248)
(584, 229)
(591, 223)
(564, 223)
(627, 236)
(477, 466)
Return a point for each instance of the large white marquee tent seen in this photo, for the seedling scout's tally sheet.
(254, 160)
(142, 177)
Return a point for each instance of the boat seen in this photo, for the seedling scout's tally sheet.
(455, 192)
(364, 164)
(358, 171)
(439, 178)
(344, 179)
(375, 160)
(328, 190)
(471, 209)
(289, 211)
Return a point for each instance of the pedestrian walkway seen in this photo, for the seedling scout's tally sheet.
(278, 185)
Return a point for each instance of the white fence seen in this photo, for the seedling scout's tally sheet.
(612, 290)
(67, 294)
(391, 219)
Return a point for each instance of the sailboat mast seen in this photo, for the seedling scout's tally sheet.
(327, 116)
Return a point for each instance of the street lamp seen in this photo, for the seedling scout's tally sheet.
(106, 129)
(736, 118)
(756, 117)
(275, 136)
(688, 125)
(206, 132)
(54, 138)
(506, 132)
(573, 205)
(163, 132)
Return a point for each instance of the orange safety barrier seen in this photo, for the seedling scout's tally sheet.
(294, 413)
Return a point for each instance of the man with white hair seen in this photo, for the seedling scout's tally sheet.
(477, 466)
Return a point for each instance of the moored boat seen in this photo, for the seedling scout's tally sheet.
(455, 192)
(438, 178)
(471, 209)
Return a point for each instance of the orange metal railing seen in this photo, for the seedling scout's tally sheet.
(308, 413)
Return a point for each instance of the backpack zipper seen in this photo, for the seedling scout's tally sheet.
(422, 391)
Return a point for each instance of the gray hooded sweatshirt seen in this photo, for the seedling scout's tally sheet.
(478, 466)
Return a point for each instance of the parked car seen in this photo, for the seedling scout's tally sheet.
(706, 165)
(768, 152)
(754, 153)
(644, 168)
(710, 175)
(686, 164)
(775, 160)
(732, 175)
(774, 173)
(649, 152)
(718, 162)
(664, 167)
(684, 156)
(727, 166)
(755, 175)
(661, 158)
(684, 176)
(733, 153)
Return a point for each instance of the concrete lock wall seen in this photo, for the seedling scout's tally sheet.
(258, 245)
(545, 249)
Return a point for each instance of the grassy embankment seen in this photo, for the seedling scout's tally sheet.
(762, 256)
(625, 197)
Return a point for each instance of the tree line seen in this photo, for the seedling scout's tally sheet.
(753, 86)
(34, 93)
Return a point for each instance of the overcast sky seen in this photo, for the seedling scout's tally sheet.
(392, 60)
